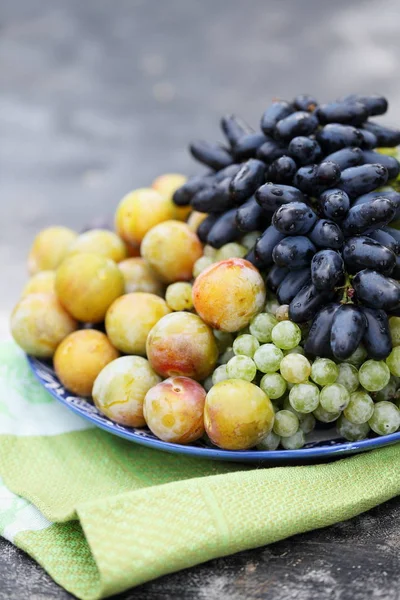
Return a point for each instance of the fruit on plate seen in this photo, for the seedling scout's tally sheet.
(120, 388)
(39, 323)
(139, 277)
(42, 282)
(130, 319)
(174, 409)
(100, 241)
(139, 211)
(182, 344)
(171, 249)
(49, 248)
(228, 294)
(237, 414)
(87, 285)
(179, 296)
(80, 357)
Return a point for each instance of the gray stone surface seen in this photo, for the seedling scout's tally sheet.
(99, 97)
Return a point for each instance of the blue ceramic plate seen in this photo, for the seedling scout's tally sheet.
(324, 446)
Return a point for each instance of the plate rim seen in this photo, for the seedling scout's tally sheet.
(278, 456)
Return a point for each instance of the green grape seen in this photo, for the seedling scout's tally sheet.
(241, 367)
(286, 335)
(324, 371)
(261, 327)
(286, 423)
(249, 239)
(273, 385)
(231, 250)
(360, 408)
(287, 406)
(201, 264)
(268, 358)
(394, 325)
(374, 375)
(351, 431)
(295, 441)
(385, 418)
(388, 392)
(304, 397)
(220, 374)
(307, 424)
(224, 339)
(393, 361)
(226, 356)
(272, 304)
(358, 356)
(348, 377)
(270, 442)
(208, 383)
(210, 252)
(334, 398)
(295, 368)
(324, 416)
(246, 344)
(282, 313)
(295, 350)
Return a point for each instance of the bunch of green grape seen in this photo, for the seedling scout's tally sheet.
(359, 396)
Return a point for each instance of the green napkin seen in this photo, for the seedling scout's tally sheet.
(101, 514)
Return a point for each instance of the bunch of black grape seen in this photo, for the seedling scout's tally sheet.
(309, 181)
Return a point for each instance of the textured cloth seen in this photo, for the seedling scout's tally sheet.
(101, 514)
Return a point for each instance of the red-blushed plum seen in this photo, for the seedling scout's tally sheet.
(228, 294)
(120, 389)
(237, 414)
(174, 410)
(182, 344)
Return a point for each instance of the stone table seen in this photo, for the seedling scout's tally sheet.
(99, 97)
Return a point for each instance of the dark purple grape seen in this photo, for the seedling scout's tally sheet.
(377, 339)
(305, 102)
(318, 342)
(304, 150)
(369, 140)
(298, 123)
(184, 194)
(295, 218)
(266, 244)
(307, 302)
(314, 179)
(386, 137)
(292, 284)
(395, 233)
(275, 277)
(272, 195)
(369, 216)
(327, 269)
(390, 162)
(205, 227)
(214, 198)
(274, 113)
(326, 234)
(346, 157)
(375, 105)
(224, 230)
(334, 204)
(251, 217)
(356, 181)
(247, 180)
(234, 128)
(282, 170)
(229, 171)
(348, 327)
(251, 257)
(334, 137)
(215, 156)
(293, 252)
(391, 194)
(270, 150)
(376, 291)
(384, 238)
(248, 145)
(347, 113)
(362, 252)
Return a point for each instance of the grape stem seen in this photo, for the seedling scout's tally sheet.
(348, 291)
